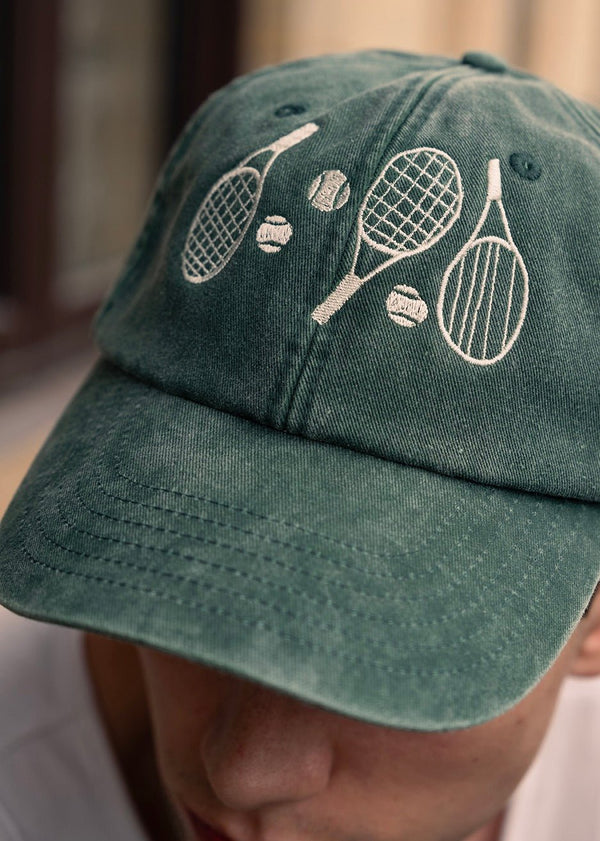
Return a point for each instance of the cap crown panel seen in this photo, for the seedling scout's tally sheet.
(381, 377)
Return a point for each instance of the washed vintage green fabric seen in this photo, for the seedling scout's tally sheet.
(343, 438)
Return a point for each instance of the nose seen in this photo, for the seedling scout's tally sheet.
(264, 748)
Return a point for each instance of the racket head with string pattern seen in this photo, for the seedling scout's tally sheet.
(413, 202)
(221, 223)
(485, 290)
(483, 300)
(224, 216)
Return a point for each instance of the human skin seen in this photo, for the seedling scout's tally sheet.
(264, 766)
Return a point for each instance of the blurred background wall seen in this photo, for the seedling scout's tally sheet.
(553, 38)
(93, 93)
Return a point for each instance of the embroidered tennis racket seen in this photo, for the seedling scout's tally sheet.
(484, 293)
(413, 202)
(224, 216)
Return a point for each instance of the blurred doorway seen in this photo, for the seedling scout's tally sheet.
(93, 93)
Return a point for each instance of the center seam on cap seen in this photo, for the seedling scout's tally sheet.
(328, 339)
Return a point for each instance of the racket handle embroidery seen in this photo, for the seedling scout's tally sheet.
(336, 299)
(494, 180)
(485, 289)
(413, 202)
(228, 209)
(293, 137)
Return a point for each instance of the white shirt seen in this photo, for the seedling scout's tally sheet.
(59, 778)
(558, 799)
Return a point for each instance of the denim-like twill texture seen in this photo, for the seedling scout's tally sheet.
(350, 512)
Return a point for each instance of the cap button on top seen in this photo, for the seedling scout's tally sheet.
(484, 61)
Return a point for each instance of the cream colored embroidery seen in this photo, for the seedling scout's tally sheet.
(274, 232)
(224, 216)
(405, 306)
(484, 292)
(413, 202)
(329, 191)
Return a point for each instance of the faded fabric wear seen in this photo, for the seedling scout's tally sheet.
(343, 436)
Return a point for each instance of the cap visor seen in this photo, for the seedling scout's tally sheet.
(374, 589)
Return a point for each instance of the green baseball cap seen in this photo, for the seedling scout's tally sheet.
(343, 435)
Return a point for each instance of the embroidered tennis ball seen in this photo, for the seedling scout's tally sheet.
(274, 232)
(405, 306)
(329, 191)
